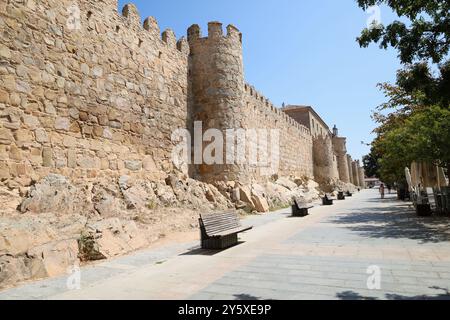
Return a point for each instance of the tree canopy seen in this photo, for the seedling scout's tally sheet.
(414, 122)
(427, 36)
(370, 163)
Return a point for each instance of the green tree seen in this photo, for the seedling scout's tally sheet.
(370, 163)
(393, 160)
(429, 135)
(414, 123)
(427, 36)
(424, 137)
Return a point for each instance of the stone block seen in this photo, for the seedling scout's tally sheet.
(69, 141)
(246, 196)
(41, 135)
(15, 153)
(133, 165)
(23, 135)
(98, 131)
(5, 52)
(4, 96)
(6, 136)
(62, 123)
(149, 164)
(260, 203)
(56, 257)
(47, 157)
(88, 162)
(31, 122)
(4, 171)
(71, 158)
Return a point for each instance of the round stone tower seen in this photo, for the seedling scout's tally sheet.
(350, 169)
(339, 146)
(355, 172)
(323, 159)
(216, 77)
(362, 176)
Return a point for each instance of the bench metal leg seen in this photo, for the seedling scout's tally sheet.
(296, 212)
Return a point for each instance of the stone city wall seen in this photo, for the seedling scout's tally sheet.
(296, 156)
(87, 92)
(100, 97)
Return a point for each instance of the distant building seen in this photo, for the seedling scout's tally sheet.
(308, 117)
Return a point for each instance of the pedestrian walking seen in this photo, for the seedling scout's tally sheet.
(382, 190)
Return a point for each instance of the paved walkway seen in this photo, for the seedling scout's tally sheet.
(326, 255)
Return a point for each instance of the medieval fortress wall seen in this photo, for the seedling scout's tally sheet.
(96, 101)
(296, 147)
(222, 100)
(101, 97)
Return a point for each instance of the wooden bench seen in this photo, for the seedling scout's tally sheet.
(300, 209)
(422, 204)
(341, 195)
(327, 200)
(220, 231)
(431, 199)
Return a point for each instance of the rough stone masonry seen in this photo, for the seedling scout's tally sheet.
(89, 99)
(103, 99)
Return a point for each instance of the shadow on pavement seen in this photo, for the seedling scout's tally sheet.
(248, 297)
(351, 295)
(397, 222)
(197, 251)
(386, 200)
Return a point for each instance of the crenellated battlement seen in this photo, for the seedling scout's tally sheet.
(267, 107)
(151, 25)
(215, 32)
(130, 21)
(131, 14)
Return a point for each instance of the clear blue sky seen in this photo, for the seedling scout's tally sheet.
(299, 52)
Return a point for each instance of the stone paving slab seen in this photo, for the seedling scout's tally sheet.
(96, 273)
(329, 259)
(347, 278)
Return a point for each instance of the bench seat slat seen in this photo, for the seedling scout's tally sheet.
(219, 214)
(219, 219)
(303, 205)
(218, 223)
(222, 227)
(209, 221)
(232, 231)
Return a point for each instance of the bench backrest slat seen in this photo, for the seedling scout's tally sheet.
(431, 198)
(301, 205)
(215, 223)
